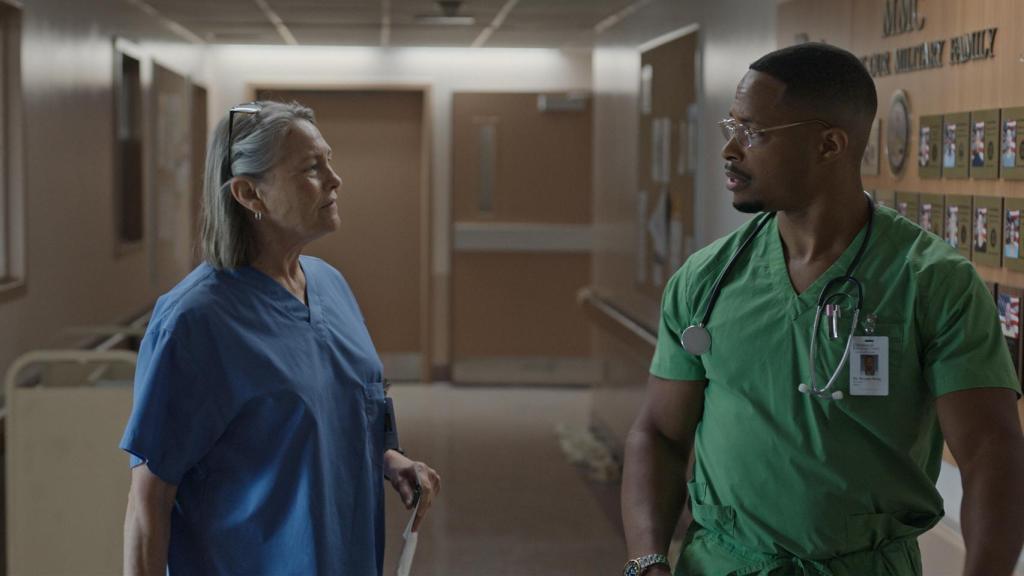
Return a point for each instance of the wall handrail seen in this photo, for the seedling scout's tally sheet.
(613, 320)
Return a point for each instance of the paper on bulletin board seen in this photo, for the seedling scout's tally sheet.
(684, 145)
(646, 89)
(657, 227)
(661, 149)
(675, 245)
(692, 122)
(641, 238)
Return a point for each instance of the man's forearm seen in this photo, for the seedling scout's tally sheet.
(653, 491)
(992, 514)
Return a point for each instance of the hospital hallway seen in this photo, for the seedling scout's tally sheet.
(507, 211)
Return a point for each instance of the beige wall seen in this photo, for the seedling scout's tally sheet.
(73, 275)
(442, 71)
(731, 34)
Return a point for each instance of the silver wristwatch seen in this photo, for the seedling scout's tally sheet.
(637, 566)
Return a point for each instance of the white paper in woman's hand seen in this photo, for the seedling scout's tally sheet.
(409, 548)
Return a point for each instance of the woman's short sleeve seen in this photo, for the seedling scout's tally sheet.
(176, 417)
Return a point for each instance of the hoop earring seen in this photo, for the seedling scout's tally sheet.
(259, 216)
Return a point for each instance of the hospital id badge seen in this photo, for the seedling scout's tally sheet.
(869, 366)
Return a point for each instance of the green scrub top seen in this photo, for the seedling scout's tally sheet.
(780, 474)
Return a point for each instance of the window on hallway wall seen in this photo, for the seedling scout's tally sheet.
(12, 200)
(128, 153)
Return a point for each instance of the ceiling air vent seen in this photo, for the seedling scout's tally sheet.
(447, 15)
(571, 102)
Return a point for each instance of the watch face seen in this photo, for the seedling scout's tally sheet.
(632, 568)
(897, 132)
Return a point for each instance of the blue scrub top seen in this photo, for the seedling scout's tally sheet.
(269, 417)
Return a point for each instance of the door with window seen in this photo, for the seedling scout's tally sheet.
(521, 211)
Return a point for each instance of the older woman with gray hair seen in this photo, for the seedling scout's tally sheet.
(258, 430)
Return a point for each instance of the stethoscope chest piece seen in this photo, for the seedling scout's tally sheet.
(696, 339)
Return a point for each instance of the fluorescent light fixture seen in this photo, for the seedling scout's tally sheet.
(438, 20)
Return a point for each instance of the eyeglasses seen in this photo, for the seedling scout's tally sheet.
(250, 108)
(747, 137)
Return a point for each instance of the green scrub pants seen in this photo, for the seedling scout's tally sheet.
(708, 554)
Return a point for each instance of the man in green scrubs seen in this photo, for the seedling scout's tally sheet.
(787, 482)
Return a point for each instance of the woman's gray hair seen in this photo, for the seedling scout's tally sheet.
(256, 139)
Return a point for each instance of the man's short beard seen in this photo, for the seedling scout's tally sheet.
(749, 207)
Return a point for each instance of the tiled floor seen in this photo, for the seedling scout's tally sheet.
(511, 505)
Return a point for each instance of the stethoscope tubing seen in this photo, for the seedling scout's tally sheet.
(716, 290)
(823, 300)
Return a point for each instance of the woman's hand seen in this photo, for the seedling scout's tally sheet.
(407, 477)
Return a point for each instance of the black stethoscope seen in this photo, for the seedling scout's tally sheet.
(697, 340)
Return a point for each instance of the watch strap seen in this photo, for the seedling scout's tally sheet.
(637, 566)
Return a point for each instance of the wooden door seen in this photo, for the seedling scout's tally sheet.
(200, 130)
(521, 237)
(381, 248)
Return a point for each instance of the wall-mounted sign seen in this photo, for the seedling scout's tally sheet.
(979, 45)
(901, 17)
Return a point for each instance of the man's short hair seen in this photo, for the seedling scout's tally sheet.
(828, 82)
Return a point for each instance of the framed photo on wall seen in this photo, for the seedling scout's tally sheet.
(907, 205)
(984, 145)
(885, 198)
(955, 145)
(993, 289)
(1008, 304)
(930, 211)
(1012, 208)
(957, 226)
(1011, 144)
(987, 241)
(929, 136)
